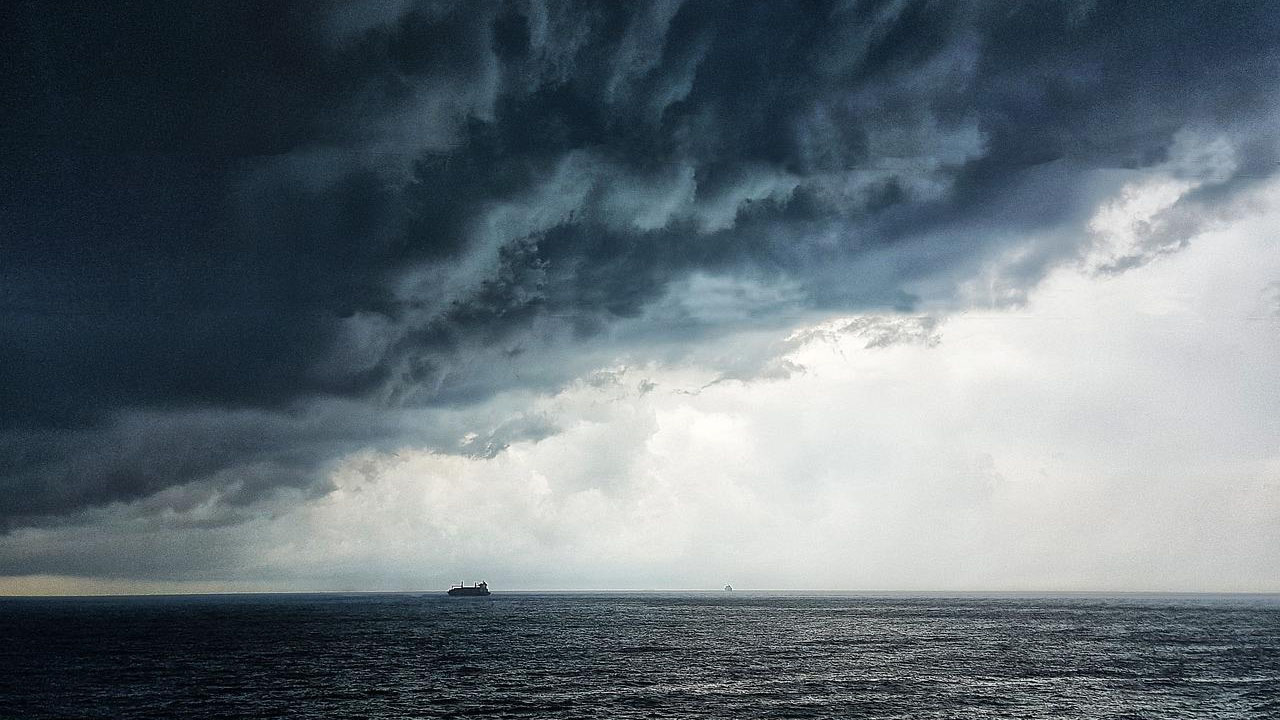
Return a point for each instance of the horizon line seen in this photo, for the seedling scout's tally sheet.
(655, 591)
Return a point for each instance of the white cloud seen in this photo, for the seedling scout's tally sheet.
(1144, 222)
(1115, 432)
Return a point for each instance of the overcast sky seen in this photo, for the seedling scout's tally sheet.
(884, 295)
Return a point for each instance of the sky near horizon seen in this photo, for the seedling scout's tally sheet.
(870, 295)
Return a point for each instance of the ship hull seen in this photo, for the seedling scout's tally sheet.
(468, 592)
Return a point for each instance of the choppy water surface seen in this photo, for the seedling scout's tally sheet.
(641, 655)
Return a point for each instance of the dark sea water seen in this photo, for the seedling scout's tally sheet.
(641, 655)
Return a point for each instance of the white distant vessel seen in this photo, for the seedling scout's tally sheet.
(728, 588)
(479, 589)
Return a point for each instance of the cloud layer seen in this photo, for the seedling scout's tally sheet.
(1114, 432)
(247, 243)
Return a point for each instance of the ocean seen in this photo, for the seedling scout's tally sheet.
(641, 655)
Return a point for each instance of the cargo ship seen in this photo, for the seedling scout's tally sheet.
(460, 590)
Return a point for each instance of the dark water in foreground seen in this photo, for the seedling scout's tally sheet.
(641, 655)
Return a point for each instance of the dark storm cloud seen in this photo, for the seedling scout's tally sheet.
(239, 211)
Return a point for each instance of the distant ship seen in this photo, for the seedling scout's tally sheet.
(460, 590)
(728, 588)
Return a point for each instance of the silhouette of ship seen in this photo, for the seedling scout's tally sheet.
(460, 590)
